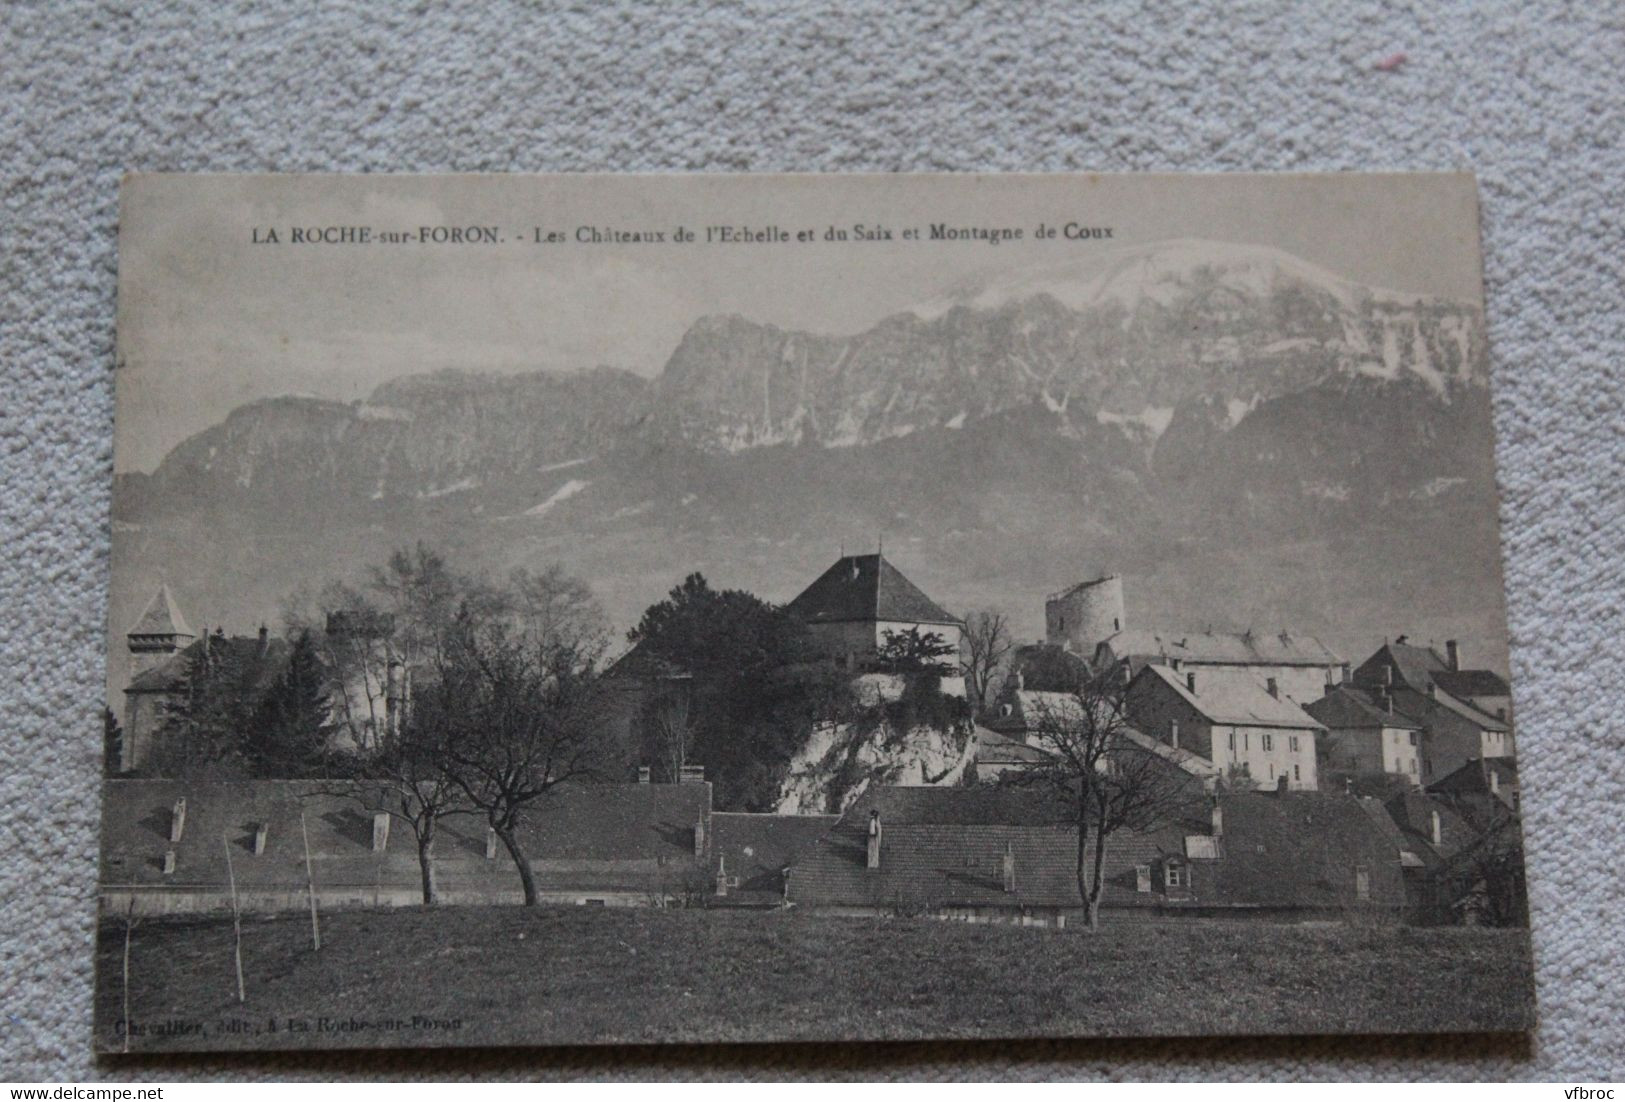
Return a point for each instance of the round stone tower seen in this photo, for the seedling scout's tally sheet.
(1080, 617)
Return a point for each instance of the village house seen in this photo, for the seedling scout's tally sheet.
(165, 844)
(852, 606)
(1456, 730)
(751, 855)
(1366, 735)
(997, 752)
(1007, 855)
(162, 647)
(1483, 787)
(1013, 738)
(1250, 733)
(1089, 619)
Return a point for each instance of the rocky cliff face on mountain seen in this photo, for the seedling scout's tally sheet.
(1248, 439)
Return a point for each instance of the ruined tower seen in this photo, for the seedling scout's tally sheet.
(1080, 617)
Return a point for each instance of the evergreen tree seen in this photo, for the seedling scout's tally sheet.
(914, 651)
(291, 730)
(204, 724)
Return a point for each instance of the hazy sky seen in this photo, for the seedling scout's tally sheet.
(209, 320)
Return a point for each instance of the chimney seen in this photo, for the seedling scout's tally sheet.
(643, 774)
(490, 844)
(1009, 867)
(177, 820)
(1173, 733)
(1190, 681)
(1452, 654)
(1021, 681)
(1273, 687)
(691, 774)
(699, 837)
(722, 876)
(1346, 674)
(261, 832)
(1433, 827)
(1218, 820)
(169, 862)
(380, 831)
(265, 640)
(873, 860)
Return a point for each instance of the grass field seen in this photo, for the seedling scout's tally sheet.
(510, 975)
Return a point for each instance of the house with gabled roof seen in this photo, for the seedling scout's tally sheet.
(852, 606)
(1301, 666)
(1420, 680)
(1013, 739)
(1487, 786)
(165, 843)
(1007, 854)
(1246, 730)
(751, 855)
(1365, 735)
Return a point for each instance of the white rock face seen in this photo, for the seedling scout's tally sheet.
(840, 761)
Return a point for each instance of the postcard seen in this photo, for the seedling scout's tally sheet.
(638, 609)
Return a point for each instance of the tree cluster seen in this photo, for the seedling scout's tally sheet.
(244, 711)
(502, 705)
(747, 689)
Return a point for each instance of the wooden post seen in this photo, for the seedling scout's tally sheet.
(236, 919)
(129, 924)
(310, 884)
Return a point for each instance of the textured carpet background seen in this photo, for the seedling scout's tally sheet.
(1529, 96)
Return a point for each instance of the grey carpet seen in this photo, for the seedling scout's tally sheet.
(1527, 95)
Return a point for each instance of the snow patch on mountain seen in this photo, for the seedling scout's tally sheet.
(1154, 419)
(1436, 486)
(563, 493)
(462, 485)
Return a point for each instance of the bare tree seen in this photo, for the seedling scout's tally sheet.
(520, 715)
(671, 729)
(986, 644)
(1109, 773)
(403, 776)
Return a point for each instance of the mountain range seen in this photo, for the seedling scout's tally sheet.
(1250, 440)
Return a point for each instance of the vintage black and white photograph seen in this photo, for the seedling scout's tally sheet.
(575, 610)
